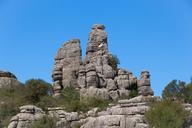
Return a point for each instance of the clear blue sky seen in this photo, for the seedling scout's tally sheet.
(145, 34)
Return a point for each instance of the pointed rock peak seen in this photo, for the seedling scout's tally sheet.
(98, 26)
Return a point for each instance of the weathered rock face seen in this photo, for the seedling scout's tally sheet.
(67, 62)
(8, 79)
(144, 84)
(97, 45)
(28, 114)
(95, 76)
(65, 119)
(127, 114)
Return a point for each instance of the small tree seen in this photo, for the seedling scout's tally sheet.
(174, 90)
(36, 88)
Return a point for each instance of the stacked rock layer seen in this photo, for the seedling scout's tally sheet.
(28, 115)
(94, 76)
(126, 114)
(67, 62)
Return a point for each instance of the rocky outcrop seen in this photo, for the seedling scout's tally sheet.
(67, 62)
(65, 119)
(8, 79)
(97, 46)
(28, 115)
(144, 84)
(127, 114)
(95, 76)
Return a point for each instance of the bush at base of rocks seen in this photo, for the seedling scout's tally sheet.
(45, 122)
(166, 114)
(70, 100)
(10, 100)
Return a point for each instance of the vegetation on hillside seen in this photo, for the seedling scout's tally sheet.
(169, 113)
(166, 114)
(37, 92)
(12, 97)
(45, 122)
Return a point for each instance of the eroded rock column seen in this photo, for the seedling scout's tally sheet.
(67, 63)
(144, 84)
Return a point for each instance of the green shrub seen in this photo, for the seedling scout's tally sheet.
(70, 100)
(166, 114)
(7, 110)
(77, 125)
(46, 102)
(69, 94)
(133, 94)
(90, 103)
(37, 92)
(45, 122)
(11, 99)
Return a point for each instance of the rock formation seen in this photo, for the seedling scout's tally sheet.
(67, 62)
(144, 84)
(8, 79)
(28, 114)
(126, 114)
(94, 76)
